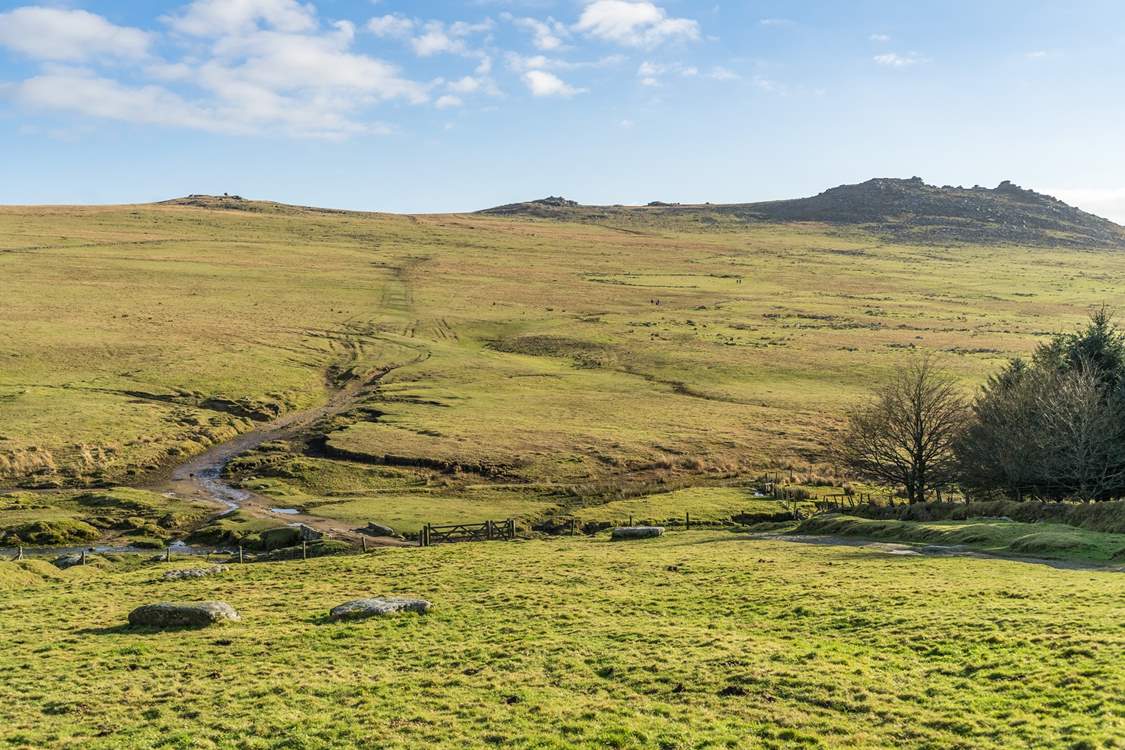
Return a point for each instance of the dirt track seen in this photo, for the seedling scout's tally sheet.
(201, 477)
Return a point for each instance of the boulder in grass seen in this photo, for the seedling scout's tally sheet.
(183, 614)
(636, 532)
(377, 529)
(359, 609)
(68, 560)
(179, 575)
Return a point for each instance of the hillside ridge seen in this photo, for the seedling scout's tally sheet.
(902, 209)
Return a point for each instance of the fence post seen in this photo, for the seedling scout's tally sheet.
(363, 542)
(630, 519)
(304, 550)
(240, 553)
(511, 528)
(687, 521)
(167, 554)
(488, 530)
(573, 526)
(83, 557)
(19, 553)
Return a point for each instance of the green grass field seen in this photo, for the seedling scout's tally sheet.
(586, 364)
(1054, 541)
(542, 352)
(699, 639)
(483, 367)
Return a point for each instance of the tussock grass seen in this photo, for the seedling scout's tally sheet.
(120, 513)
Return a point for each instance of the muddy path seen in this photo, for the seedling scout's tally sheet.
(201, 477)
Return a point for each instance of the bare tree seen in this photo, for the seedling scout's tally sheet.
(904, 435)
(1081, 434)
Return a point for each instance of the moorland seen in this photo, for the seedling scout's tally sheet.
(547, 362)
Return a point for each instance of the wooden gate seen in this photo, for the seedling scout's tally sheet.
(467, 532)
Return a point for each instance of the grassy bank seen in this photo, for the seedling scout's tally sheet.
(1104, 516)
(1048, 540)
(129, 516)
(699, 639)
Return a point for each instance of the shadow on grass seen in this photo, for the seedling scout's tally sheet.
(127, 629)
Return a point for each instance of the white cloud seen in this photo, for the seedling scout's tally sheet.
(763, 83)
(542, 83)
(436, 40)
(392, 25)
(651, 70)
(447, 101)
(651, 73)
(69, 35)
(264, 69)
(520, 63)
(1038, 54)
(221, 17)
(307, 63)
(466, 85)
(80, 91)
(545, 35)
(437, 37)
(879, 38)
(475, 84)
(777, 22)
(895, 60)
(719, 73)
(634, 23)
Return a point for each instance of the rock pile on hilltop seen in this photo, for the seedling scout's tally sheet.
(904, 210)
(541, 207)
(913, 209)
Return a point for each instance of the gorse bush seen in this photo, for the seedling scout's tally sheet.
(1052, 427)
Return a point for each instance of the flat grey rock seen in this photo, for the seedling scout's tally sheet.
(183, 614)
(177, 575)
(358, 609)
(636, 532)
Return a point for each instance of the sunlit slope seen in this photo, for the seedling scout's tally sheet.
(541, 351)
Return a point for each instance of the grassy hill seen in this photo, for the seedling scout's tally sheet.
(413, 369)
(525, 364)
(699, 639)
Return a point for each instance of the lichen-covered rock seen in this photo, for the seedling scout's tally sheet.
(637, 532)
(178, 575)
(377, 529)
(358, 609)
(183, 614)
(69, 560)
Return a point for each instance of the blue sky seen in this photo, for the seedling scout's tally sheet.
(442, 106)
